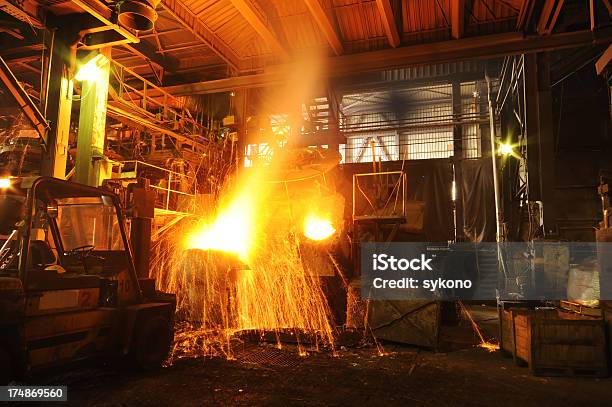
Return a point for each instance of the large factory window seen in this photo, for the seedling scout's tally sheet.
(416, 145)
(424, 123)
(384, 147)
(426, 145)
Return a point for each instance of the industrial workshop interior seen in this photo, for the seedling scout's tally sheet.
(306, 202)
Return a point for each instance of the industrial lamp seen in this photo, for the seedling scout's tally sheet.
(505, 149)
(90, 69)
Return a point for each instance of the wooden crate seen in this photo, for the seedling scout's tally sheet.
(560, 345)
(606, 307)
(581, 308)
(507, 311)
(506, 332)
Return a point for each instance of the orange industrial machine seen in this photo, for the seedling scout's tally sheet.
(69, 286)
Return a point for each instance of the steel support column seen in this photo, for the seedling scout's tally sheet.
(90, 160)
(457, 128)
(499, 223)
(58, 103)
(457, 157)
(141, 200)
(540, 138)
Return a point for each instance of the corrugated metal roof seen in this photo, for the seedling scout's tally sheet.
(299, 28)
(358, 25)
(359, 20)
(229, 25)
(425, 15)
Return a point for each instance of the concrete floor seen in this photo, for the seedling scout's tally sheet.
(471, 377)
(264, 375)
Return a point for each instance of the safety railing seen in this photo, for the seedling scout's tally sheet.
(150, 100)
(170, 185)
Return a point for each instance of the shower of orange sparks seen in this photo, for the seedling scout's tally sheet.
(281, 292)
(316, 228)
(489, 346)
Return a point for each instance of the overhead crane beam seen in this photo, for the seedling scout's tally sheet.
(485, 47)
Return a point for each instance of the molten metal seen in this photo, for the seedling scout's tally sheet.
(316, 228)
(230, 232)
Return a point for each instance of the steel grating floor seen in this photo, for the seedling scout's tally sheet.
(267, 355)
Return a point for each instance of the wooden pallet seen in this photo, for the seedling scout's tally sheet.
(570, 372)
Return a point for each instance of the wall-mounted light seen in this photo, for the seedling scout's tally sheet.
(5, 183)
(91, 68)
(505, 149)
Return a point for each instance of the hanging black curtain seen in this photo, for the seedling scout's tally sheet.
(478, 198)
(431, 181)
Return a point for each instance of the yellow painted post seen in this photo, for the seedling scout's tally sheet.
(58, 103)
(90, 160)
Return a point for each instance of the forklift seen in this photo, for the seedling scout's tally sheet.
(69, 280)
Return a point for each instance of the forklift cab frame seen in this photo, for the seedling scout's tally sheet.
(83, 301)
(43, 205)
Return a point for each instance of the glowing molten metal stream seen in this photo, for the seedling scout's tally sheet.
(316, 228)
(231, 231)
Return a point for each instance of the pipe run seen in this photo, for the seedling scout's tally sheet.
(499, 237)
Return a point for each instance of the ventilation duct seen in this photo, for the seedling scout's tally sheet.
(138, 15)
